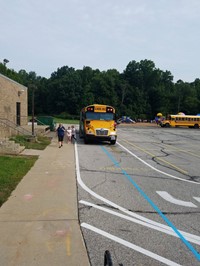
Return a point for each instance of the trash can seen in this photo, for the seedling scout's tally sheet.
(47, 121)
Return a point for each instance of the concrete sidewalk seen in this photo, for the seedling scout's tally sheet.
(39, 223)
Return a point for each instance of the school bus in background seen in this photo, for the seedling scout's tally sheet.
(191, 121)
(97, 122)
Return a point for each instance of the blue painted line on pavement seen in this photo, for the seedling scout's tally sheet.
(189, 246)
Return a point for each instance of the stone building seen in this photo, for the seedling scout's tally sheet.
(13, 106)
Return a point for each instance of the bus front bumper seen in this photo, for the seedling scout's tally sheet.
(101, 138)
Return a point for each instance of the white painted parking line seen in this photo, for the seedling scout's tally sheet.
(145, 222)
(165, 195)
(130, 245)
(155, 169)
(80, 182)
(197, 198)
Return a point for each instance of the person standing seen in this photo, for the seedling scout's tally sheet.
(60, 133)
(69, 134)
(73, 133)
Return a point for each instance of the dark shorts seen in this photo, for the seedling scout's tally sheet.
(60, 138)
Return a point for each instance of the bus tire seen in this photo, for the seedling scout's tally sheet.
(112, 142)
(167, 125)
(86, 141)
(196, 126)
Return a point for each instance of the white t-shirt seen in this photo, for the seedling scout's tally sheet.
(69, 132)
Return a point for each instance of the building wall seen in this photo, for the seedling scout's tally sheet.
(12, 93)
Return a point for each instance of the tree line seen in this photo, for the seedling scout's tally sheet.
(141, 91)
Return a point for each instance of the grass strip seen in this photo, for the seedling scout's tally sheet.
(12, 170)
(29, 142)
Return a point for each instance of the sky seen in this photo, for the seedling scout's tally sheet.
(44, 35)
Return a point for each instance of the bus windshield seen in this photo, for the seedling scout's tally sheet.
(99, 116)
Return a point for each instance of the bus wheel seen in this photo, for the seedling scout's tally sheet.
(86, 141)
(196, 126)
(112, 142)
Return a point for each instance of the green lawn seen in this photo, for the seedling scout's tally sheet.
(66, 121)
(39, 143)
(14, 168)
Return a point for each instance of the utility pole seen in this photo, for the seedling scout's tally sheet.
(33, 88)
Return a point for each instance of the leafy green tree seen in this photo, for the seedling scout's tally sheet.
(64, 91)
(187, 98)
(103, 88)
(141, 91)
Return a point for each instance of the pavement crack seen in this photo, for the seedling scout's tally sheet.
(165, 212)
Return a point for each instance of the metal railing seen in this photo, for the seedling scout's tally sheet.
(14, 126)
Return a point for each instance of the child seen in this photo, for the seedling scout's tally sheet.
(69, 135)
(73, 133)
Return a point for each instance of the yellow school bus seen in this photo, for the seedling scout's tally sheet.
(191, 121)
(97, 122)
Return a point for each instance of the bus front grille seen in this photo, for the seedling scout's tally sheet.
(101, 132)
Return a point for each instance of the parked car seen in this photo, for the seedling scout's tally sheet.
(125, 119)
